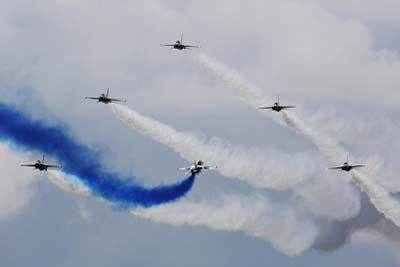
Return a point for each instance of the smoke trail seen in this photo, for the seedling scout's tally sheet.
(254, 97)
(270, 169)
(68, 183)
(326, 145)
(286, 229)
(381, 199)
(329, 147)
(82, 162)
(247, 92)
(355, 131)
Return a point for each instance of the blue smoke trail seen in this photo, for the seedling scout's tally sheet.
(81, 161)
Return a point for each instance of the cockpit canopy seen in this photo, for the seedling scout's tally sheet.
(200, 162)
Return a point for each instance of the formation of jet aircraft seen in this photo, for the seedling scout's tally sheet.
(197, 167)
(41, 166)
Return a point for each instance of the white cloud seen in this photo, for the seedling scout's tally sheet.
(16, 183)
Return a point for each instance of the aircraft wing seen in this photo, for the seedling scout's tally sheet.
(184, 169)
(52, 166)
(95, 98)
(210, 167)
(264, 107)
(194, 46)
(288, 106)
(166, 44)
(28, 165)
(336, 168)
(117, 100)
(357, 166)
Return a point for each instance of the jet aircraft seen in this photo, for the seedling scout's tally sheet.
(197, 168)
(179, 45)
(276, 107)
(40, 165)
(346, 166)
(103, 98)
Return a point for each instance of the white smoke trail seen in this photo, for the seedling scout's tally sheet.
(247, 92)
(329, 147)
(254, 97)
(269, 169)
(263, 169)
(68, 183)
(379, 197)
(287, 230)
(355, 131)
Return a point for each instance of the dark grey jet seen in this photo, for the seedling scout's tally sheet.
(197, 168)
(276, 107)
(179, 45)
(103, 98)
(346, 166)
(41, 166)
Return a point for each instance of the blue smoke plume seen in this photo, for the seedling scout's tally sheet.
(81, 161)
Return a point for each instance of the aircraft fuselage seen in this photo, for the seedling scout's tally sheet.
(277, 108)
(346, 168)
(104, 100)
(179, 46)
(196, 170)
(40, 167)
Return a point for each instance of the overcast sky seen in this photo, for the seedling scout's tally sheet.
(337, 60)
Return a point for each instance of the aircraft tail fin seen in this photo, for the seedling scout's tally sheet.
(181, 37)
(108, 90)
